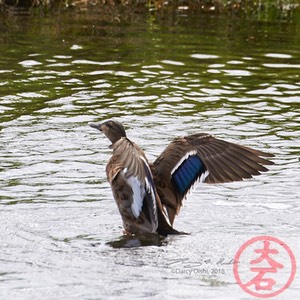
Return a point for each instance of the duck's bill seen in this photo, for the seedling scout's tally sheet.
(96, 125)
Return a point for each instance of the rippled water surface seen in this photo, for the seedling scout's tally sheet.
(59, 226)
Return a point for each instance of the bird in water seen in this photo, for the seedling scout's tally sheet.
(150, 195)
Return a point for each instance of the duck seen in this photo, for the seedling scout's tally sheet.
(150, 195)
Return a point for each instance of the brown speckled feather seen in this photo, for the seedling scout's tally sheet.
(227, 162)
(126, 175)
(129, 156)
(224, 162)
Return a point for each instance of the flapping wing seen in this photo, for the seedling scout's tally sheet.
(228, 162)
(201, 157)
(133, 187)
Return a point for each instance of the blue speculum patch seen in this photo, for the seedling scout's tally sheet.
(187, 173)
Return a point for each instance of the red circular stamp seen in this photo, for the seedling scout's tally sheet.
(264, 266)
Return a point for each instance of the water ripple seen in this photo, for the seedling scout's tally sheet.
(58, 216)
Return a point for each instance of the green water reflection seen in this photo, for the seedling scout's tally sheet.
(46, 59)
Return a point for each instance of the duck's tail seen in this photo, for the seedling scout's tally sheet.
(164, 228)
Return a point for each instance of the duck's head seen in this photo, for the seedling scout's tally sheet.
(113, 130)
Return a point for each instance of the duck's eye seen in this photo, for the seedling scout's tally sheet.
(109, 124)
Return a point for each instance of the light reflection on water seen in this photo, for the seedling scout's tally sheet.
(57, 212)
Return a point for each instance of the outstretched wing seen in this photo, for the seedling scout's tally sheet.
(203, 158)
(133, 187)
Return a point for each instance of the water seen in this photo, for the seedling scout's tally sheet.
(59, 226)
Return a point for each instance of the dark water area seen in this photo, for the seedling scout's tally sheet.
(60, 229)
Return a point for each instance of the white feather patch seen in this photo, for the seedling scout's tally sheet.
(203, 176)
(138, 194)
(186, 156)
(150, 188)
(152, 193)
(166, 215)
